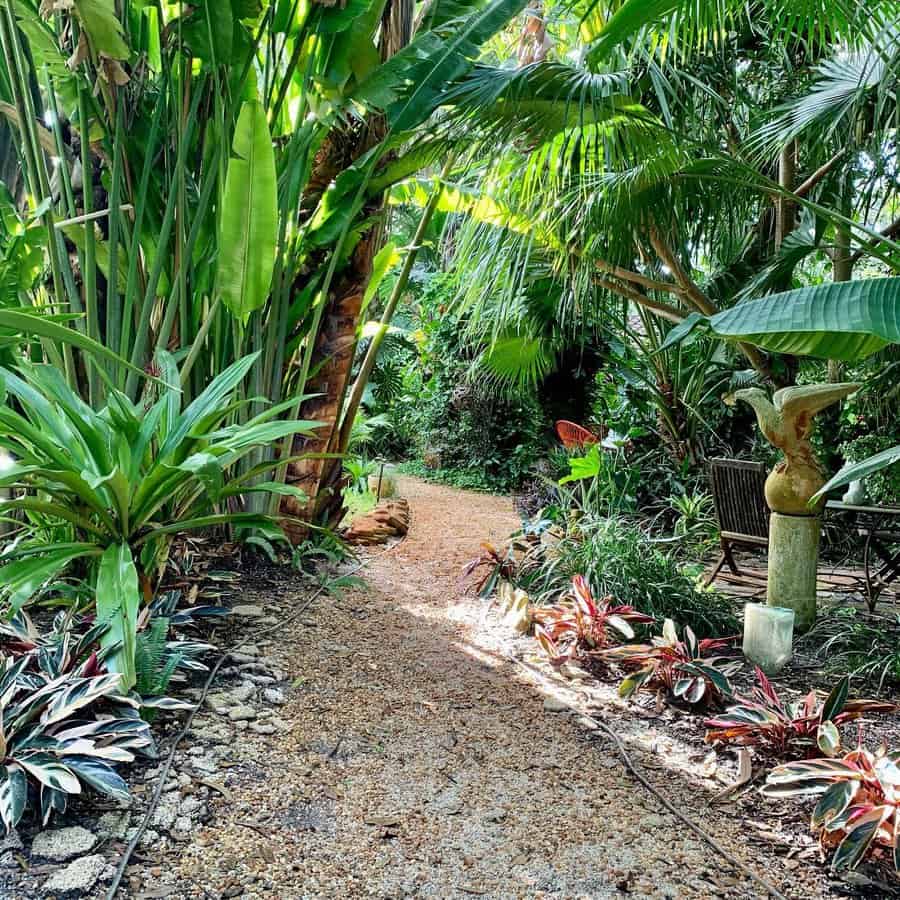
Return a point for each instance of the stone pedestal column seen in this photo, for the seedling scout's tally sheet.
(793, 561)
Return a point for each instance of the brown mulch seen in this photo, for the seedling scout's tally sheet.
(420, 760)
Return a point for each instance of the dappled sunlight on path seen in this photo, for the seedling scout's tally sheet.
(421, 763)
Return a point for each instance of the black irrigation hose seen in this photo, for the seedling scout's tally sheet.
(167, 766)
(626, 758)
(630, 765)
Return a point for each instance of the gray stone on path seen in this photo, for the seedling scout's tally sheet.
(61, 844)
(242, 714)
(113, 825)
(248, 611)
(77, 878)
(553, 704)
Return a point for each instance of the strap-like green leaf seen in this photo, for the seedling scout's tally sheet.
(249, 221)
(118, 601)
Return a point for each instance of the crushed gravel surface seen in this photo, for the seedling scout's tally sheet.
(411, 756)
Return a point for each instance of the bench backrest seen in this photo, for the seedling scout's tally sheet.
(738, 489)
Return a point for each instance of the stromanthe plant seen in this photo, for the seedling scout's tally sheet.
(859, 808)
(52, 744)
(682, 667)
(579, 626)
(801, 727)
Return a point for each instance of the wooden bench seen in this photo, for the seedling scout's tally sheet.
(738, 490)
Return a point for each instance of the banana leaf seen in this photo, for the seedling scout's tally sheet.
(249, 226)
(846, 321)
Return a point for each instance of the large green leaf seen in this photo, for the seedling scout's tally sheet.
(98, 19)
(22, 579)
(863, 469)
(413, 82)
(118, 601)
(847, 320)
(249, 222)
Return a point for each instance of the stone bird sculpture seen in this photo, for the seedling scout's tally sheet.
(786, 421)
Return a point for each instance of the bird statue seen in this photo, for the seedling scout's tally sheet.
(786, 421)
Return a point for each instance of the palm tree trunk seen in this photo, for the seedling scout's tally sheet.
(320, 476)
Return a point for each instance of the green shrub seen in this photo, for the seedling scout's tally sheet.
(109, 489)
(619, 559)
(468, 431)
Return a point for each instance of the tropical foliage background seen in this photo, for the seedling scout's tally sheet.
(246, 247)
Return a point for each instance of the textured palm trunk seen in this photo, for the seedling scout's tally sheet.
(319, 475)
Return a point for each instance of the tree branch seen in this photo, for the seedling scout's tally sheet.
(627, 275)
(888, 233)
(664, 310)
(819, 174)
(756, 359)
(691, 290)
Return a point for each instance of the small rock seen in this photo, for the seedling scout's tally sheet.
(248, 611)
(242, 713)
(496, 815)
(113, 825)
(10, 847)
(166, 812)
(149, 838)
(274, 696)
(192, 807)
(77, 878)
(244, 692)
(219, 702)
(183, 825)
(206, 765)
(553, 704)
(262, 728)
(62, 844)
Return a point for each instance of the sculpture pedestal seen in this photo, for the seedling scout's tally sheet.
(793, 563)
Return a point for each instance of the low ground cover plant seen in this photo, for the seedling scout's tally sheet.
(858, 813)
(866, 647)
(790, 728)
(579, 627)
(683, 667)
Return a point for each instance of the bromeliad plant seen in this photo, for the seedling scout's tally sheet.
(790, 728)
(578, 627)
(859, 810)
(682, 667)
(51, 743)
(113, 487)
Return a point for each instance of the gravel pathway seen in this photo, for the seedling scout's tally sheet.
(417, 760)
